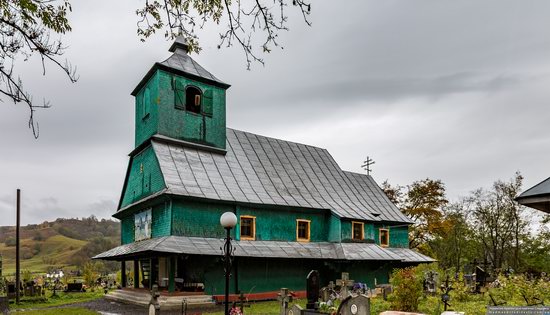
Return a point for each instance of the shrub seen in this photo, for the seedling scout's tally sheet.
(407, 290)
(10, 241)
(38, 237)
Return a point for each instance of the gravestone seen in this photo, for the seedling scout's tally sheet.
(345, 284)
(430, 282)
(284, 297)
(328, 294)
(154, 305)
(355, 305)
(295, 310)
(312, 287)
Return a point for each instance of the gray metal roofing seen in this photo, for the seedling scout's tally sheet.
(263, 170)
(409, 255)
(267, 249)
(542, 188)
(181, 61)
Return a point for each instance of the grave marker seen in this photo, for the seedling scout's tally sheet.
(154, 305)
(284, 297)
(345, 283)
(295, 310)
(355, 305)
(312, 287)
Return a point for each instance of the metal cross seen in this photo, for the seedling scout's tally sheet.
(366, 165)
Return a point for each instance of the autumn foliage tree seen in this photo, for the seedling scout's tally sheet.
(423, 202)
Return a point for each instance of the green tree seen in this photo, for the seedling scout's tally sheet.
(498, 221)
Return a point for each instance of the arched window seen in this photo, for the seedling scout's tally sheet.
(193, 99)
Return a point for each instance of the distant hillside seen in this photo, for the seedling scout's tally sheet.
(63, 243)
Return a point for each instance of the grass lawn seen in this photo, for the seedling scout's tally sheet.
(54, 252)
(61, 299)
(60, 311)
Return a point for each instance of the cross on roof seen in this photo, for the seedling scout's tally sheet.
(366, 165)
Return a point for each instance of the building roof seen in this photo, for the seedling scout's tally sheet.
(537, 197)
(266, 171)
(181, 63)
(409, 255)
(263, 249)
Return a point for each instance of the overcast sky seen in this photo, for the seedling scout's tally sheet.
(451, 90)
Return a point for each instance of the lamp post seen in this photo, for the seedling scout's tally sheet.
(228, 220)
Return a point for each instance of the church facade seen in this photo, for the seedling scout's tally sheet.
(297, 209)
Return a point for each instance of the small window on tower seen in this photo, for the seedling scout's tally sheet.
(193, 98)
(357, 230)
(384, 237)
(302, 230)
(248, 227)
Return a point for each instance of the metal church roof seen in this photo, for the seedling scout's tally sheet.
(268, 171)
(265, 249)
(409, 255)
(181, 63)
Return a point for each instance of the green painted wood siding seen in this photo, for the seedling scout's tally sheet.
(127, 229)
(399, 235)
(162, 220)
(280, 224)
(334, 229)
(146, 110)
(145, 177)
(162, 112)
(180, 124)
(198, 219)
(161, 224)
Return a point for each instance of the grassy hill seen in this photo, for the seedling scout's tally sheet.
(63, 243)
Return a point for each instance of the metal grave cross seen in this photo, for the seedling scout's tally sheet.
(284, 297)
(345, 283)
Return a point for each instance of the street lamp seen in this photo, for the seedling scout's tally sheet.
(228, 220)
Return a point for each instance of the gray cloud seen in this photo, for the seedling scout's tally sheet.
(455, 90)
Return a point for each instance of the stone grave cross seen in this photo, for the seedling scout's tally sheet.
(345, 283)
(284, 297)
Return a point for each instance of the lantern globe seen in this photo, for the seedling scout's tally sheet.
(228, 220)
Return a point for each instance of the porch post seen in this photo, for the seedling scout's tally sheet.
(171, 274)
(123, 273)
(136, 274)
(152, 275)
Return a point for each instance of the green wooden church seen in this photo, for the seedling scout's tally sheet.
(297, 209)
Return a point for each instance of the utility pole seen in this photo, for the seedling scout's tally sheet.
(17, 262)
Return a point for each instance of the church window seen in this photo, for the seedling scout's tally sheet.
(384, 237)
(248, 227)
(303, 230)
(357, 230)
(193, 97)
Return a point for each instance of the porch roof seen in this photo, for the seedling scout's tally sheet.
(267, 249)
(537, 197)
